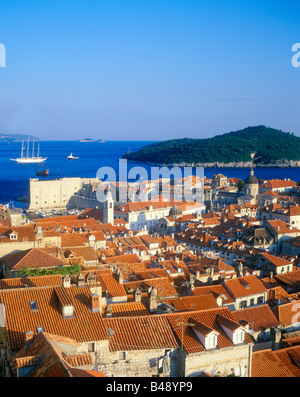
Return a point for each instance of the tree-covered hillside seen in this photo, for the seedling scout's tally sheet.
(269, 144)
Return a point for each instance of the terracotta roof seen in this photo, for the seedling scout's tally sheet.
(38, 281)
(128, 309)
(259, 317)
(73, 239)
(275, 260)
(87, 253)
(185, 303)
(209, 318)
(287, 313)
(279, 363)
(163, 285)
(31, 259)
(78, 360)
(281, 227)
(129, 258)
(24, 233)
(48, 359)
(20, 318)
(237, 286)
(140, 333)
(291, 279)
(218, 289)
(277, 183)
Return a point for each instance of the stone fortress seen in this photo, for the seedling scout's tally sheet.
(63, 193)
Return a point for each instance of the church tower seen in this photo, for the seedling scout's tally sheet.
(251, 185)
(108, 209)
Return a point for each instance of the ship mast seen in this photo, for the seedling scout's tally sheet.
(22, 149)
(32, 149)
(38, 153)
(27, 147)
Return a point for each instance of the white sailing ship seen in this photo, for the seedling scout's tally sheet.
(71, 157)
(27, 158)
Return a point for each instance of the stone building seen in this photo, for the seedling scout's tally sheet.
(211, 341)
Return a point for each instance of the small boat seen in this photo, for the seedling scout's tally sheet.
(43, 173)
(71, 157)
(27, 159)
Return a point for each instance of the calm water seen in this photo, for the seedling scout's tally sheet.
(14, 177)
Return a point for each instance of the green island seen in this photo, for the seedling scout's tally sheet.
(271, 147)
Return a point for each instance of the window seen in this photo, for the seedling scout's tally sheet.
(251, 301)
(260, 300)
(122, 355)
(34, 306)
(211, 341)
(239, 336)
(91, 347)
(243, 304)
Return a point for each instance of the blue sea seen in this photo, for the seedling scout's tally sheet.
(14, 177)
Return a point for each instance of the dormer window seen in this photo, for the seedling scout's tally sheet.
(207, 336)
(238, 336)
(233, 329)
(211, 341)
(13, 236)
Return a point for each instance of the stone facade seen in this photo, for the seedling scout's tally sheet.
(218, 360)
(57, 193)
(137, 363)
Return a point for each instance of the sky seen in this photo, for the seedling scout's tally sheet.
(147, 69)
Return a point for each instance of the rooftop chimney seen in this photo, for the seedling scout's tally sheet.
(91, 278)
(95, 303)
(153, 299)
(67, 281)
(80, 280)
(137, 295)
(108, 311)
(120, 278)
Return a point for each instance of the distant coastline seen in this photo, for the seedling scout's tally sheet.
(241, 164)
(17, 138)
(91, 140)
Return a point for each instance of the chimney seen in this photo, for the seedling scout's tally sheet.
(80, 280)
(108, 311)
(66, 281)
(271, 276)
(28, 336)
(120, 278)
(95, 303)
(153, 300)
(275, 337)
(219, 300)
(191, 279)
(137, 295)
(91, 278)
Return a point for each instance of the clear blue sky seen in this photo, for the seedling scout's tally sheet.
(148, 69)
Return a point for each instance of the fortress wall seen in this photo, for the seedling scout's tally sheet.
(52, 194)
